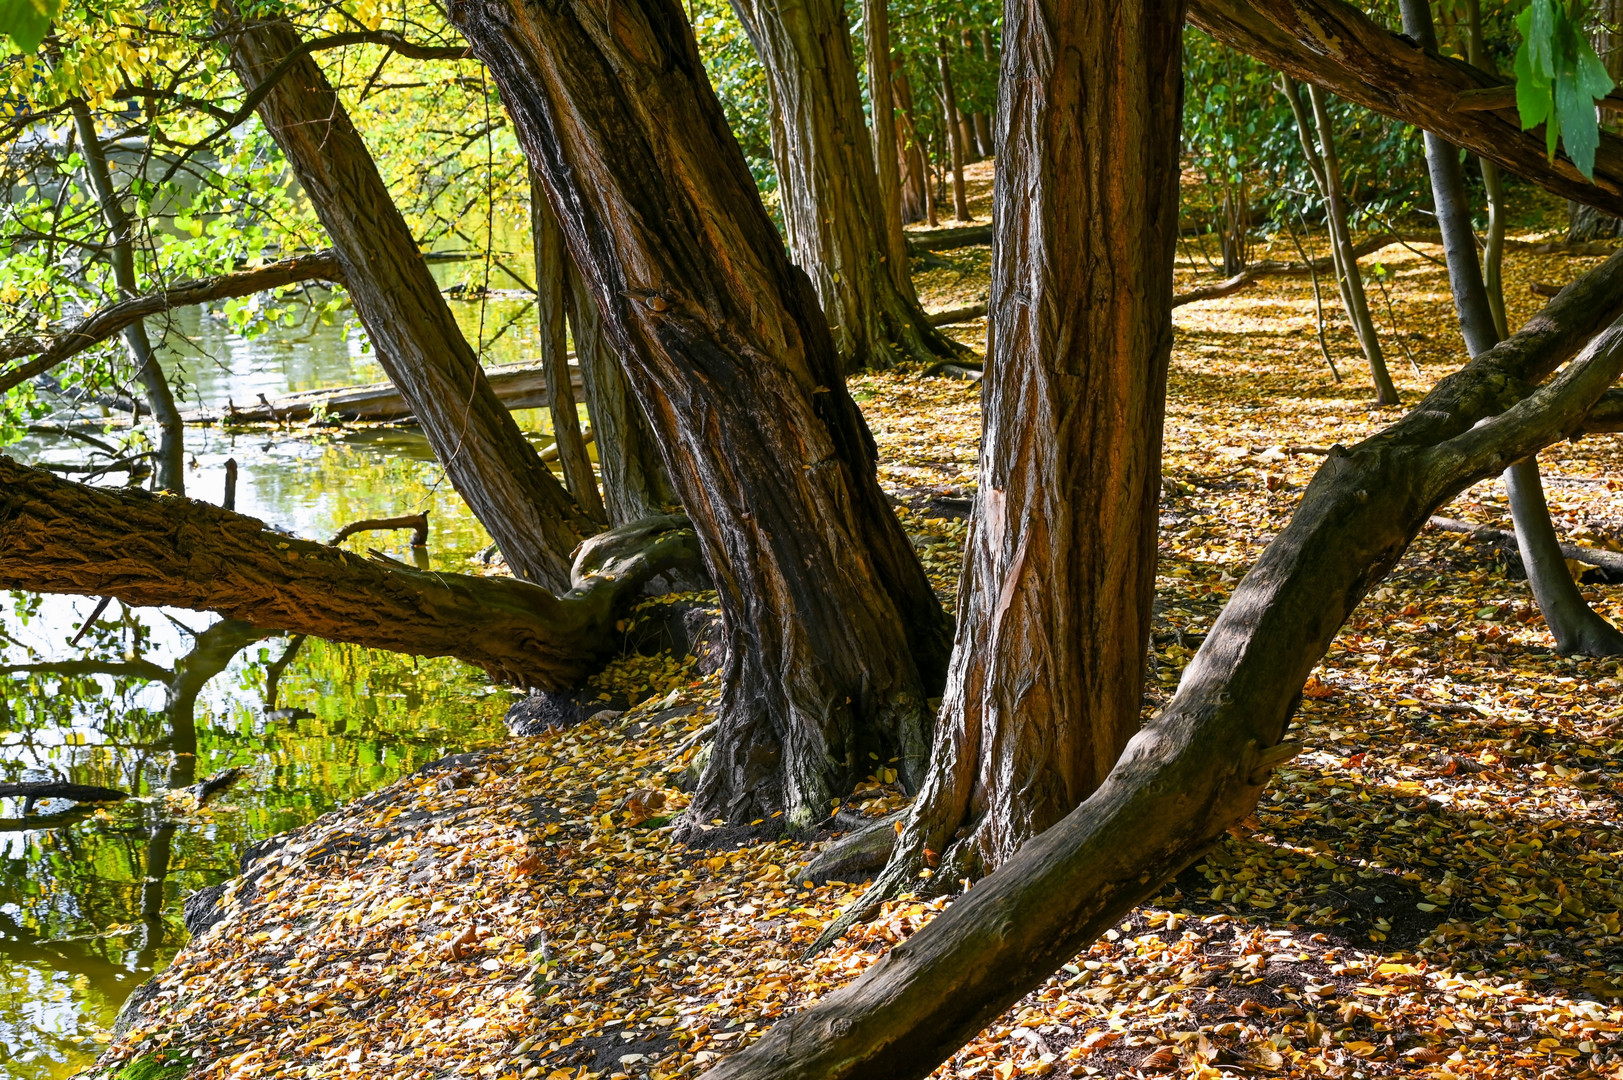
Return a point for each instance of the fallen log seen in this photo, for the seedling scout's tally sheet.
(103, 324)
(956, 315)
(1609, 561)
(33, 790)
(162, 550)
(1199, 765)
(518, 386)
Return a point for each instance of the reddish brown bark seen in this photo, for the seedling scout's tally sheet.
(1059, 572)
(828, 615)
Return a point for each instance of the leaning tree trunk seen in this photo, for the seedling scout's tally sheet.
(552, 282)
(170, 460)
(635, 483)
(1574, 624)
(1493, 187)
(1326, 171)
(876, 31)
(831, 206)
(1369, 65)
(60, 537)
(419, 345)
(1200, 764)
(1059, 573)
(954, 128)
(909, 148)
(834, 634)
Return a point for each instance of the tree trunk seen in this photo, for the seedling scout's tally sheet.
(834, 634)
(170, 471)
(1326, 170)
(1199, 766)
(635, 483)
(909, 148)
(1373, 67)
(1059, 572)
(876, 29)
(419, 345)
(953, 125)
(60, 537)
(1576, 626)
(552, 279)
(837, 226)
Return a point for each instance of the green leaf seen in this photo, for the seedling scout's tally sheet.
(26, 22)
(1558, 80)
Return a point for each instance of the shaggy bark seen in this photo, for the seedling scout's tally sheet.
(170, 458)
(1336, 46)
(1576, 626)
(552, 284)
(1059, 572)
(830, 192)
(99, 325)
(635, 483)
(419, 345)
(166, 551)
(833, 631)
(1199, 766)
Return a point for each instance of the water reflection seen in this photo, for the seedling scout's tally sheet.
(153, 701)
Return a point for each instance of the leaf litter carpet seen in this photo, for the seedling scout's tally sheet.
(1432, 889)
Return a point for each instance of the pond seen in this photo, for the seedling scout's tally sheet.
(154, 701)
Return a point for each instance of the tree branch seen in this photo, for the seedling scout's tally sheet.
(1336, 46)
(105, 322)
(158, 550)
(1200, 765)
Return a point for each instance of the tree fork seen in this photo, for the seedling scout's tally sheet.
(58, 536)
(1200, 765)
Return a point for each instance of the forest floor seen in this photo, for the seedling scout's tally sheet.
(1432, 889)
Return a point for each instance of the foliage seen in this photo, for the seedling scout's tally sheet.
(26, 22)
(1559, 78)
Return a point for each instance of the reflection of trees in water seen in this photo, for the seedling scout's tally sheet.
(98, 890)
(99, 878)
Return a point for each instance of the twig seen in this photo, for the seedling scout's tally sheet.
(416, 522)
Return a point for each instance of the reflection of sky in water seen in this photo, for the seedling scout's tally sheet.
(80, 923)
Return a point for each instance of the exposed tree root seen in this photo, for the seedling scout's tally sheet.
(58, 536)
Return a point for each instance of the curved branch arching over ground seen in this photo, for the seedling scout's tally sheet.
(1202, 763)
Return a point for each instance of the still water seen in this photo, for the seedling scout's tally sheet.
(153, 701)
